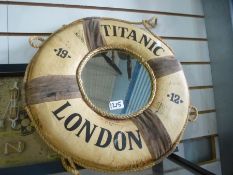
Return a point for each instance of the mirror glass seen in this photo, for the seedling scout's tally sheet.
(116, 82)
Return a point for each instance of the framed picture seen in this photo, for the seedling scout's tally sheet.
(12, 69)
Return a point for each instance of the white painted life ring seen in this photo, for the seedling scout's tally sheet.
(74, 129)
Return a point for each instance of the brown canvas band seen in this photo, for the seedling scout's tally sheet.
(92, 33)
(154, 133)
(51, 88)
(164, 66)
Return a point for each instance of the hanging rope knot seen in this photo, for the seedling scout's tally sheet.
(151, 23)
(193, 113)
(36, 41)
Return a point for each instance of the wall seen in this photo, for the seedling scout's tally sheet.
(180, 24)
(220, 37)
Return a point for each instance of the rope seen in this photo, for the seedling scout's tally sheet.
(193, 113)
(151, 23)
(33, 39)
(14, 107)
(69, 165)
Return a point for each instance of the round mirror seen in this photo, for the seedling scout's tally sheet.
(115, 82)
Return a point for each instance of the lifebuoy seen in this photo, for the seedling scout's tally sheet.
(70, 125)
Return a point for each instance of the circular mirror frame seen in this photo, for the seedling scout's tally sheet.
(97, 109)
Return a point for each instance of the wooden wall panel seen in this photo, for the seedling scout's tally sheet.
(198, 75)
(20, 50)
(169, 166)
(217, 148)
(204, 125)
(3, 50)
(175, 6)
(187, 51)
(56, 17)
(190, 51)
(203, 99)
(214, 167)
(3, 18)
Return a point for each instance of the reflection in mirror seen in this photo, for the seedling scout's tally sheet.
(116, 82)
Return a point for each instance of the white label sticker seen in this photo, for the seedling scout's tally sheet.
(113, 105)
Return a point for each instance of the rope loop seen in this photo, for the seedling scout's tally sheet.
(151, 23)
(69, 165)
(36, 41)
(148, 24)
(193, 113)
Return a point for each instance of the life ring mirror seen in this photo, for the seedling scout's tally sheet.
(115, 83)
